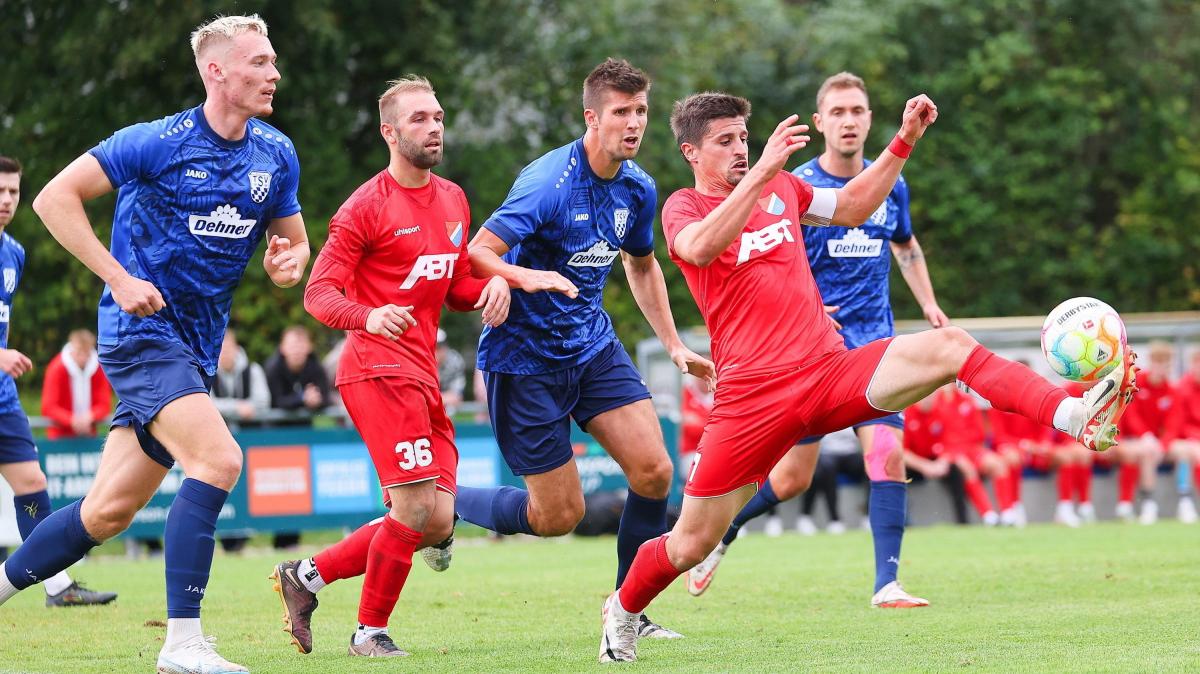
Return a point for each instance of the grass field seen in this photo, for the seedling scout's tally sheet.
(1103, 598)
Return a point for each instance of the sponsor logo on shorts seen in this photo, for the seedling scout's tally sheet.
(765, 239)
(430, 267)
(224, 222)
(599, 255)
(855, 243)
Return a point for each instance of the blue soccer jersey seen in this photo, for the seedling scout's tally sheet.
(12, 265)
(560, 216)
(852, 266)
(191, 209)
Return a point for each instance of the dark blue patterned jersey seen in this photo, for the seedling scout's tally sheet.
(191, 209)
(852, 265)
(12, 266)
(560, 216)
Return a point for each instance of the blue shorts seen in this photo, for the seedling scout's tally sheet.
(146, 375)
(894, 420)
(16, 440)
(531, 413)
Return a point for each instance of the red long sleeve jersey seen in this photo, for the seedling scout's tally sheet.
(390, 244)
(1183, 418)
(1147, 414)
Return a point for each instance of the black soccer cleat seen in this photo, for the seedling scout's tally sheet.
(78, 595)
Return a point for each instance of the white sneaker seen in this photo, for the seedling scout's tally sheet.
(438, 556)
(836, 527)
(805, 526)
(699, 577)
(1008, 518)
(1186, 510)
(1103, 405)
(619, 632)
(648, 629)
(893, 595)
(990, 518)
(194, 656)
(773, 527)
(1124, 511)
(1087, 513)
(1065, 514)
(1149, 512)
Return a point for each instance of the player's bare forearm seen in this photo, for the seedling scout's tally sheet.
(485, 251)
(60, 207)
(911, 260)
(702, 242)
(287, 251)
(649, 288)
(865, 192)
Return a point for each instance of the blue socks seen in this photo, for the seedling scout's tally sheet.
(31, 509)
(188, 544)
(887, 509)
(504, 510)
(58, 542)
(763, 501)
(642, 519)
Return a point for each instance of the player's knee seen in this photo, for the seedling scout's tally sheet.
(437, 529)
(559, 521)
(691, 550)
(222, 468)
(30, 483)
(788, 485)
(653, 481)
(105, 520)
(952, 345)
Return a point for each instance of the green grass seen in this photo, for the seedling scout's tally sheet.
(1105, 598)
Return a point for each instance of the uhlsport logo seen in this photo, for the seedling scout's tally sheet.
(620, 221)
(855, 243)
(765, 239)
(430, 267)
(260, 185)
(224, 222)
(10, 279)
(599, 255)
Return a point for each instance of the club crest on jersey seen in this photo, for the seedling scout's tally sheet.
(879, 217)
(10, 279)
(599, 255)
(855, 243)
(260, 185)
(772, 204)
(455, 231)
(620, 221)
(765, 239)
(224, 222)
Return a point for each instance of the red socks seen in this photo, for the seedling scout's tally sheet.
(1014, 476)
(348, 558)
(389, 560)
(1065, 479)
(1127, 479)
(978, 496)
(1010, 386)
(1003, 486)
(1083, 483)
(649, 575)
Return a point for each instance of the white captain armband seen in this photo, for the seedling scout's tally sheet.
(820, 211)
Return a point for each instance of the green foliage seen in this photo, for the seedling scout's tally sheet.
(1065, 160)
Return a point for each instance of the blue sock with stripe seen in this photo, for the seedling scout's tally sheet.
(888, 505)
(188, 542)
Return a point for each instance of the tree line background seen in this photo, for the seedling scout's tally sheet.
(1065, 160)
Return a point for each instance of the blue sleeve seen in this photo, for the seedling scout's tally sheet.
(20, 268)
(529, 204)
(131, 153)
(288, 203)
(640, 241)
(903, 220)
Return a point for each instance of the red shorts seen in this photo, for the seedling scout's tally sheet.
(972, 453)
(756, 420)
(406, 430)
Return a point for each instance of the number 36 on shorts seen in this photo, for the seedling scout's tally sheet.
(414, 454)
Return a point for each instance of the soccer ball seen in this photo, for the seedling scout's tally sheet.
(1083, 339)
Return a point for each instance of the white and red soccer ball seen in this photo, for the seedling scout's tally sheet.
(1083, 339)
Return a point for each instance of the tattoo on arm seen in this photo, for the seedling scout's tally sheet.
(909, 256)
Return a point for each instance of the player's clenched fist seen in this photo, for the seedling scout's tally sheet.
(14, 363)
(281, 263)
(533, 281)
(136, 296)
(390, 321)
(494, 300)
(919, 113)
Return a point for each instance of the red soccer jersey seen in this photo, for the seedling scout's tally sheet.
(1147, 414)
(758, 298)
(962, 420)
(922, 431)
(394, 245)
(1015, 430)
(1183, 419)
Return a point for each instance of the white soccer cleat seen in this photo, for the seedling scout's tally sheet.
(1064, 514)
(648, 629)
(1103, 405)
(195, 656)
(699, 577)
(893, 595)
(1124, 511)
(805, 526)
(1186, 510)
(836, 528)
(438, 556)
(773, 527)
(1087, 513)
(990, 519)
(1008, 518)
(619, 631)
(1149, 514)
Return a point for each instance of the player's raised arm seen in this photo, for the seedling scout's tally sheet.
(863, 194)
(60, 206)
(287, 251)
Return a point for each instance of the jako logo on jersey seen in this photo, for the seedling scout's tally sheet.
(407, 230)
(223, 222)
(431, 267)
(582, 217)
(455, 231)
(196, 173)
(260, 185)
(10, 279)
(771, 204)
(620, 220)
(599, 255)
(855, 243)
(765, 239)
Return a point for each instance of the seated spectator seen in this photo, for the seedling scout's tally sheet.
(295, 377)
(75, 393)
(452, 373)
(1182, 436)
(962, 443)
(1142, 429)
(922, 460)
(239, 389)
(1073, 462)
